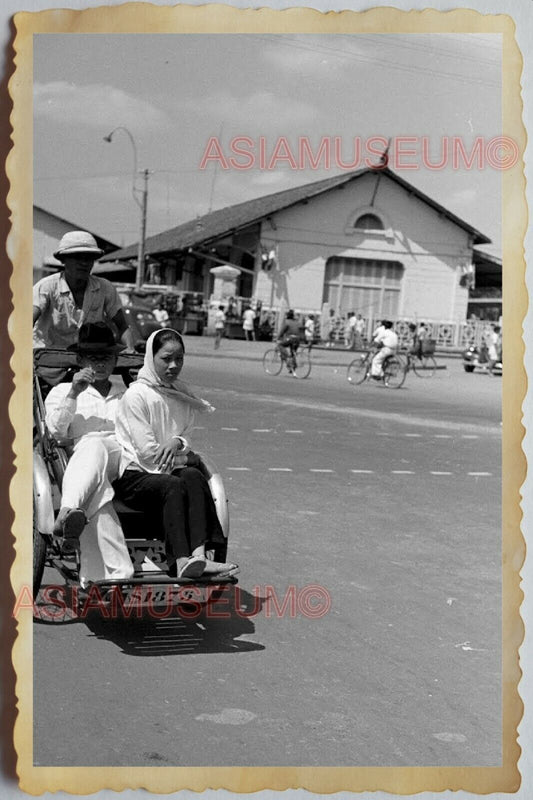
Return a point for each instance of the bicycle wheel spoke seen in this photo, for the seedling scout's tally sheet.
(424, 366)
(394, 372)
(358, 370)
(272, 362)
(302, 365)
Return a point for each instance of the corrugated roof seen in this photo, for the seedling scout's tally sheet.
(225, 220)
(484, 255)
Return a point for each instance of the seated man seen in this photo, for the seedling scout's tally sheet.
(387, 341)
(289, 338)
(82, 414)
(64, 301)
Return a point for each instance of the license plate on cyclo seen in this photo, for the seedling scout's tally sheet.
(154, 596)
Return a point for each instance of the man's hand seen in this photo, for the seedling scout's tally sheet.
(193, 459)
(81, 381)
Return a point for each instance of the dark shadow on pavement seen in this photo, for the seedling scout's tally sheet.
(175, 631)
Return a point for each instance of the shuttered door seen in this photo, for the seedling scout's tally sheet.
(367, 286)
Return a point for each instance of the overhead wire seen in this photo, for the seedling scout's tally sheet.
(391, 41)
(340, 53)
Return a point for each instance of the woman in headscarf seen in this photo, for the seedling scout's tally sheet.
(160, 477)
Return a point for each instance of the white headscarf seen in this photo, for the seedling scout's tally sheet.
(177, 389)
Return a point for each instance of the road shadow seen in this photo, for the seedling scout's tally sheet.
(181, 630)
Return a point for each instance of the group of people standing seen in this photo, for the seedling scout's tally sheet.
(248, 324)
(129, 443)
(355, 331)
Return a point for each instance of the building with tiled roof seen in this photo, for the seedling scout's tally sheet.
(365, 241)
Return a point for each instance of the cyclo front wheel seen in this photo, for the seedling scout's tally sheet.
(394, 372)
(357, 370)
(301, 366)
(272, 362)
(424, 367)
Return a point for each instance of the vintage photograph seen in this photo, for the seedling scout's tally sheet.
(268, 349)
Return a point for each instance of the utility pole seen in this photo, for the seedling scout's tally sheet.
(139, 279)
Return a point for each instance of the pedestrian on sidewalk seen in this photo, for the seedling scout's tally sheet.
(309, 330)
(359, 332)
(248, 319)
(494, 350)
(220, 324)
(349, 331)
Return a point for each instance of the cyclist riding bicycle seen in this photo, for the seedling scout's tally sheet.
(387, 341)
(289, 339)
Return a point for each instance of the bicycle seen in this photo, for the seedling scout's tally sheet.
(423, 365)
(360, 370)
(298, 361)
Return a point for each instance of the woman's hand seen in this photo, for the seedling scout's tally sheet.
(81, 381)
(167, 453)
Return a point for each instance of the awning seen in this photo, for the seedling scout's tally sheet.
(104, 269)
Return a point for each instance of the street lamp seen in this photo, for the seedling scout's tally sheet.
(142, 203)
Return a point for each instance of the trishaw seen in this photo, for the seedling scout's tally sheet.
(151, 585)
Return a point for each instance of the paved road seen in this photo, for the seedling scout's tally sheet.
(388, 503)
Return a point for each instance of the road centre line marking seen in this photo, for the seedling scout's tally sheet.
(293, 431)
(229, 429)
(359, 471)
(383, 434)
(443, 436)
(354, 415)
(413, 435)
(328, 432)
(469, 436)
(261, 430)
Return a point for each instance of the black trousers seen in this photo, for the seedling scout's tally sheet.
(180, 505)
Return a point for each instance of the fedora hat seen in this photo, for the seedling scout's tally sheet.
(96, 337)
(78, 242)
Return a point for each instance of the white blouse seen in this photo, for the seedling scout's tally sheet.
(144, 420)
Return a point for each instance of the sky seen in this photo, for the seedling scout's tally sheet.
(174, 92)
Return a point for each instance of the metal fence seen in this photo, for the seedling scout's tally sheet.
(452, 336)
(447, 335)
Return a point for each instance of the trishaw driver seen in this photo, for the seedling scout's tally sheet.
(64, 301)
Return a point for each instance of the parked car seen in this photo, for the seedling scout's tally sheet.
(477, 358)
(141, 322)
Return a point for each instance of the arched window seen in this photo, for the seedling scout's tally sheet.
(369, 222)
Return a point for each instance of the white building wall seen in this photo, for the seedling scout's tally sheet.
(47, 231)
(430, 247)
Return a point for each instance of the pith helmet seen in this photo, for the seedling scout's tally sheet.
(78, 242)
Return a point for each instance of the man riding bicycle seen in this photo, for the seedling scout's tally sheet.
(387, 340)
(289, 339)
